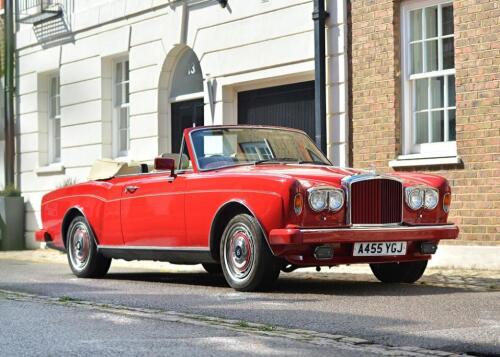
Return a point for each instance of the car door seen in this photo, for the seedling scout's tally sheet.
(152, 211)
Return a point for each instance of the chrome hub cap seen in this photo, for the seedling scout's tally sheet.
(79, 246)
(239, 251)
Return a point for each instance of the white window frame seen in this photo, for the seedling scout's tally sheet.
(409, 148)
(54, 153)
(116, 109)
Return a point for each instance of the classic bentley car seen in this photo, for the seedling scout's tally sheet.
(249, 202)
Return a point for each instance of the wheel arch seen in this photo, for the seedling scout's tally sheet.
(70, 214)
(223, 215)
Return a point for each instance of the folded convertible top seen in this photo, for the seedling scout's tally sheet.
(104, 169)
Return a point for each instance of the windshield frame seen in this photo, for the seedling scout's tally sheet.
(229, 127)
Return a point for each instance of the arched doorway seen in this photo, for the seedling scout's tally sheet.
(186, 96)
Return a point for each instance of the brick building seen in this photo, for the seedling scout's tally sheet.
(409, 61)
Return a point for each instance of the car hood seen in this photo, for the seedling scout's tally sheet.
(325, 174)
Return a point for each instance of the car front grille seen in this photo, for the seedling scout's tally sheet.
(376, 201)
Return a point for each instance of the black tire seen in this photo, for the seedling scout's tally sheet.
(83, 258)
(212, 268)
(407, 272)
(244, 241)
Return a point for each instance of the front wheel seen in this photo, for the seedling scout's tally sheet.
(83, 258)
(407, 272)
(246, 260)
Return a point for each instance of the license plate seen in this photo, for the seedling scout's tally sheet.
(370, 249)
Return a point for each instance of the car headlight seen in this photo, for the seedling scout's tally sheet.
(415, 197)
(431, 198)
(421, 196)
(335, 200)
(318, 200)
(323, 198)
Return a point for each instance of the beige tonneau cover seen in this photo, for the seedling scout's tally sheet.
(104, 169)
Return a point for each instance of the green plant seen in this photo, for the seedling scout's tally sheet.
(10, 191)
(68, 181)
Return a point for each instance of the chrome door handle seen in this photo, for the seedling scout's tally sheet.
(131, 189)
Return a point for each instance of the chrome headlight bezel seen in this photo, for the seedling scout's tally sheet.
(434, 194)
(421, 192)
(325, 193)
(339, 196)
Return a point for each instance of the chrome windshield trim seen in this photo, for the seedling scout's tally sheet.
(216, 127)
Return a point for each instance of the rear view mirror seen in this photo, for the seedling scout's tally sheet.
(165, 164)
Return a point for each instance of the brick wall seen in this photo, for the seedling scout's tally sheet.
(376, 118)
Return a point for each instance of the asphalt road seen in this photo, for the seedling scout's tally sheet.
(453, 319)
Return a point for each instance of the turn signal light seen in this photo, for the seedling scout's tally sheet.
(298, 203)
(447, 202)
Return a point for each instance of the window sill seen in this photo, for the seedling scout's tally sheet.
(420, 160)
(52, 169)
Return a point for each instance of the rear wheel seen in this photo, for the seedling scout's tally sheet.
(212, 268)
(246, 260)
(407, 272)
(83, 258)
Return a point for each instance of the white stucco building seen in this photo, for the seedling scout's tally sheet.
(121, 78)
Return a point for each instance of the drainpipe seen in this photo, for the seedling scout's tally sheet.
(9, 93)
(319, 16)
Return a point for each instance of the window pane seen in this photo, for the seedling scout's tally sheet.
(438, 126)
(127, 99)
(452, 123)
(431, 22)
(57, 128)
(448, 53)
(437, 92)
(415, 25)
(447, 16)
(123, 141)
(57, 139)
(118, 95)
(421, 128)
(416, 58)
(118, 73)
(432, 55)
(421, 94)
(58, 106)
(126, 70)
(451, 91)
(53, 86)
(52, 109)
(123, 118)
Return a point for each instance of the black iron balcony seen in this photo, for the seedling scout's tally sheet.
(39, 11)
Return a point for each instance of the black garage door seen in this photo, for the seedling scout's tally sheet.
(289, 105)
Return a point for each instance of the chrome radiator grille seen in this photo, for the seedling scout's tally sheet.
(376, 201)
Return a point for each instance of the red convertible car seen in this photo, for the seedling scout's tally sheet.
(249, 201)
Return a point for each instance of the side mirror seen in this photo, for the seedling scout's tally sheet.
(165, 164)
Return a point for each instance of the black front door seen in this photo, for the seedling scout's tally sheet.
(289, 105)
(185, 115)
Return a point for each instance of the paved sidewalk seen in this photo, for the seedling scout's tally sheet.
(468, 279)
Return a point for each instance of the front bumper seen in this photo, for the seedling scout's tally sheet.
(297, 245)
(297, 236)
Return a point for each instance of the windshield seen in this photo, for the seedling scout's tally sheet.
(220, 147)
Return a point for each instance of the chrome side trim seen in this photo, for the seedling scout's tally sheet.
(349, 180)
(158, 248)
